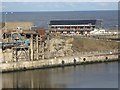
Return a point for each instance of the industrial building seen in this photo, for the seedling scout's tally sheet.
(74, 26)
(6, 26)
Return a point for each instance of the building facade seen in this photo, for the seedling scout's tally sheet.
(74, 26)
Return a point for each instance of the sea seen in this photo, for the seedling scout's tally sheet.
(42, 19)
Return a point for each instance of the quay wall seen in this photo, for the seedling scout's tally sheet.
(55, 62)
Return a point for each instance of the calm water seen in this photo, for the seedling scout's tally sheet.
(104, 75)
(42, 19)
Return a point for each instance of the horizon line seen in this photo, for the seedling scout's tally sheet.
(59, 11)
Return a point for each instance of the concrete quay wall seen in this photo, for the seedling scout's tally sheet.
(55, 62)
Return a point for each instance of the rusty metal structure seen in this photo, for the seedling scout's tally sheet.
(28, 44)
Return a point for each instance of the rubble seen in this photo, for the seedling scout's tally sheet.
(60, 47)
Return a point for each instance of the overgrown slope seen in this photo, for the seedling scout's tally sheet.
(86, 44)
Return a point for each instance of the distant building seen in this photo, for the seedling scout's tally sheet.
(17, 25)
(74, 26)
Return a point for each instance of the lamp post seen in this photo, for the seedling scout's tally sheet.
(6, 25)
(6, 20)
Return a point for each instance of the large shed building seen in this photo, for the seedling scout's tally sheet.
(74, 26)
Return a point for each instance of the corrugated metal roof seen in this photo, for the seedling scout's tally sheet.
(72, 22)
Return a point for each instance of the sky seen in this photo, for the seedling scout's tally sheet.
(37, 5)
(59, 0)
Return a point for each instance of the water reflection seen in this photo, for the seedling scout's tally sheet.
(83, 76)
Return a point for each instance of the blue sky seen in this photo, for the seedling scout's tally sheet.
(57, 6)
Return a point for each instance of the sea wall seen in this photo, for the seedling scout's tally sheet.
(55, 62)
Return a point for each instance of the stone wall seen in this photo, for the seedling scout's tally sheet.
(24, 65)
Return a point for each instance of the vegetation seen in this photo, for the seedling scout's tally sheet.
(87, 44)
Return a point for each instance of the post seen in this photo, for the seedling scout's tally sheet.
(1, 59)
(29, 53)
(31, 47)
(1, 53)
(48, 46)
(37, 53)
(16, 54)
(5, 20)
(43, 54)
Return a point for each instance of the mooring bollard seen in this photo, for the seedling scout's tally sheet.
(74, 62)
(106, 58)
(84, 59)
(63, 62)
